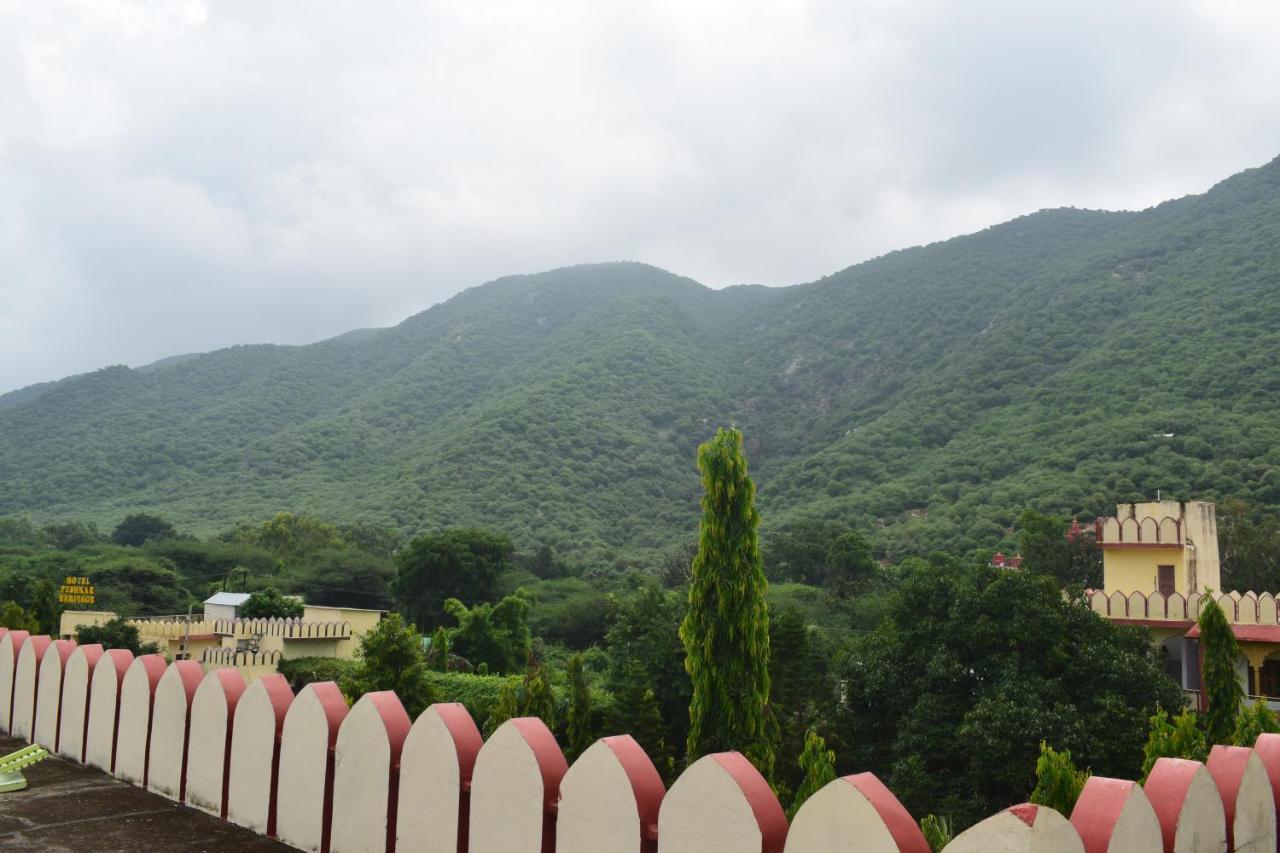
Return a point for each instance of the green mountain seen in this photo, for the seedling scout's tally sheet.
(1064, 360)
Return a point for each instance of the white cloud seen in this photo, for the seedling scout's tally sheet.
(178, 176)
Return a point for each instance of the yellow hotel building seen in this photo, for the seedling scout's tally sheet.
(1159, 564)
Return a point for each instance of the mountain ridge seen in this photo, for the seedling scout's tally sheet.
(926, 395)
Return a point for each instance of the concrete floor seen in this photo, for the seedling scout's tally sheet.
(68, 808)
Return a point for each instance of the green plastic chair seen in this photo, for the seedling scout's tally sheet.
(11, 766)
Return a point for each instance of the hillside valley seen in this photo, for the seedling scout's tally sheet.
(1063, 361)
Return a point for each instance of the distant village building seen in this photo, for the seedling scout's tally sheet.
(220, 638)
(1159, 563)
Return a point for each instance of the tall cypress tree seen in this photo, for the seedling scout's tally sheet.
(578, 722)
(1221, 686)
(726, 631)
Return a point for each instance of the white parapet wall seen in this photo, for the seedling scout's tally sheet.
(170, 726)
(1248, 803)
(49, 709)
(137, 700)
(1188, 806)
(321, 777)
(436, 767)
(366, 774)
(255, 753)
(514, 789)
(102, 732)
(304, 799)
(1115, 816)
(213, 711)
(1029, 828)
(11, 643)
(26, 685)
(73, 717)
(721, 804)
(856, 814)
(609, 800)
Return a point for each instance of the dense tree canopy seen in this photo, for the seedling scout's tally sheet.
(462, 564)
(140, 528)
(973, 668)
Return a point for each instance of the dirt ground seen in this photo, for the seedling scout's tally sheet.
(68, 808)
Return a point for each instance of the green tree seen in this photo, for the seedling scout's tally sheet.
(850, 564)
(391, 658)
(1221, 683)
(1047, 549)
(270, 604)
(495, 636)
(14, 617)
(972, 667)
(637, 713)
(1180, 737)
(140, 528)
(646, 633)
(726, 630)
(290, 536)
(802, 551)
(441, 650)
(462, 564)
(69, 535)
(578, 731)
(115, 634)
(45, 607)
(1058, 782)
(539, 697)
(818, 768)
(507, 707)
(800, 692)
(1254, 720)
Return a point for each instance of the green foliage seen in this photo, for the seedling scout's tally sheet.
(440, 652)
(115, 634)
(818, 767)
(1045, 548)
(309, 670)
(646, 635)
(539, 699)
(507, 707)
(801, 692)
(392, 658)
(1249, 546)
(270, 604)
(930, 394)
(495, 636)
(637, 713)
(726, 630)
(579, 734)
(15, 618)
(1254, 720)
(140, 528)
(937, 832)
(1221, 684)
(973, 666)
(457, 564)
(850, 564)
(1058, 782)
(1180, 737)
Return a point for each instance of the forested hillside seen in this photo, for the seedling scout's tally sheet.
(1061, 361)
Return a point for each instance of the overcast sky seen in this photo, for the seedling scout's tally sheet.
(179, 176)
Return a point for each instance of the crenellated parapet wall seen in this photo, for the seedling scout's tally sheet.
(320, 776)
(1241, 608)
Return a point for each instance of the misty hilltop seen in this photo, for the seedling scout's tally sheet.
(1063, 360)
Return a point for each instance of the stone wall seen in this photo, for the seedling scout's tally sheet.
(324, 777)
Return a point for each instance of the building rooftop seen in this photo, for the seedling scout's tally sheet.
(76, 809)
(232, 599)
